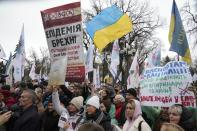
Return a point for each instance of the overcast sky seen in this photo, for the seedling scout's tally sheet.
(13, 13)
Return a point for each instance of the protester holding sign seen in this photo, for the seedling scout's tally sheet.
(71, 116)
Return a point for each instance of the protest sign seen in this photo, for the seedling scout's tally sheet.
(57, 72)
(63, 30)
(165, 86)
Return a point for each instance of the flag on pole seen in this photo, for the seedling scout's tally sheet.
(96, 78)
(9, 70)
(19, 60)
(177, 35)
(108, 26)
(115, 60)
(2, 53)
(133, 78)
(90, 58)
(154, 57)
(32, 73)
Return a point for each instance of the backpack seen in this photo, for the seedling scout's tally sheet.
(140, 126)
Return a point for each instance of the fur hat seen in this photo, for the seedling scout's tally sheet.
(94, 101)
(77, 102)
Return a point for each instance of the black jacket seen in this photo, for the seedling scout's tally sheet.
(29, 120)
(50, 121)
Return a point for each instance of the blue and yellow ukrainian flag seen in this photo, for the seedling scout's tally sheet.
(177, 35)
(108, 26)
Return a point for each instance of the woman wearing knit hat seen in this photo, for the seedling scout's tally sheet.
(71, 116)
(95, 115)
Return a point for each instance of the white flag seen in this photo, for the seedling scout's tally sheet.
(19, 60)
(115, 60)
(96, 78)
(154, 57)
(2, 53)
(32, 73)
(90, 58)
(133, 78)
(9, 71)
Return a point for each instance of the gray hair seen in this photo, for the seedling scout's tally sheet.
(33, 95)
(120, 97)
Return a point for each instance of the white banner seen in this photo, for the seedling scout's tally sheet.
(96, 78)
(90, 58)
(115, 60)
(165, 86)
(133, 78)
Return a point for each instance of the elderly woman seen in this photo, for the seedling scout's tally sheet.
(135, 121)
(183, 117)
(119, 103)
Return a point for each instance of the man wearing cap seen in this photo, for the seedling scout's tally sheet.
(95, 115)
(71, 115)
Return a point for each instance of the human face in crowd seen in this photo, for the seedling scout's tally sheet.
(130, 108)
(117, 100)
(102, 107)
(90, 109)
(71, 89)
(25, 100)
(77, 91)
(103, 93)
(49, 89)
(50, 107)
(174, 114)
(71, 108)
(129, 97)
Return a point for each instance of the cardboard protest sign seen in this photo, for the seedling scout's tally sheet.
(57, 72)
(63, 30)
(165, 86)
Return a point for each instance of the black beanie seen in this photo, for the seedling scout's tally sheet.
(132, 92)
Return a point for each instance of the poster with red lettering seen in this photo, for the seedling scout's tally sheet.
(63, 30)
(168, 85)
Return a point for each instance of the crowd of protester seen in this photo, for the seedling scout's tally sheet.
(36, 106)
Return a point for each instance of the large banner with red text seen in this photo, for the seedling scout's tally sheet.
(63, 30)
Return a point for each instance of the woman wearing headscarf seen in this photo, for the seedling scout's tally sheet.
(135, 121)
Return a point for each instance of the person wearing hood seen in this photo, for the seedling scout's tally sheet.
(70, 117)
(95, 115)
(180, 115)
(135, 121)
